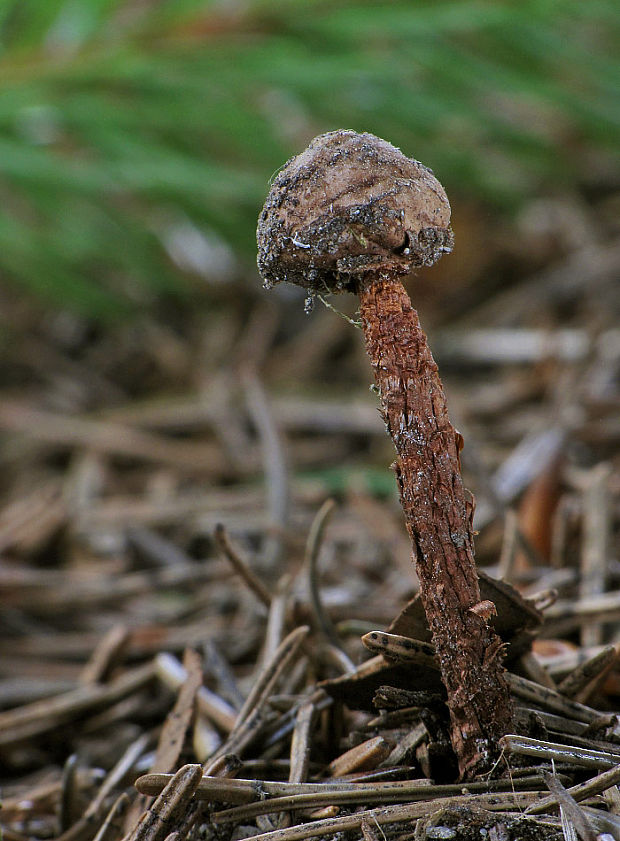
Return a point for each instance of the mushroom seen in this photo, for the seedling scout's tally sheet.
(352, 213)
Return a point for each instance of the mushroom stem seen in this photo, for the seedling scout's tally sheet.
(438, 516)
(352, 213)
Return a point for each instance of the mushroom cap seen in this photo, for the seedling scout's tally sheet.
(350, 205)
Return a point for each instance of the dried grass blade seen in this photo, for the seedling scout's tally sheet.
(364, 756)
(65, 431)
(241, 566)
(173, 674)
(407, 745)
(217, 789)
(42, 716)
(550, 699)
(570, 811)
(274, 465)
(222, 790)
(589, 672)
(393, 814)
(83, 828)
(68, 794)
(276, 620)
(171, 803)
(112, 827)
(106, 655)
(250, 718)
(313, 547)
(117, 773)
(300, 743)
(597, 525)
(584, 757)
(595, 785)
(272, 670)
(179, 718)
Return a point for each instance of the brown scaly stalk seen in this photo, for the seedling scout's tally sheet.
(352, 213)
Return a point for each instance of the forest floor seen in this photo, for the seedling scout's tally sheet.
(198, 525)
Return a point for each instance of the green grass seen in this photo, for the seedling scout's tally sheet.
(120, 119)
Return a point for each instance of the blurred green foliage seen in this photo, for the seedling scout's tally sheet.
(137, 138)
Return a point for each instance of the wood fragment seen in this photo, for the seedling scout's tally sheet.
(516, 615)
(404, 701)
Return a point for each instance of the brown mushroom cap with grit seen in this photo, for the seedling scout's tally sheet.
(348, 205)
